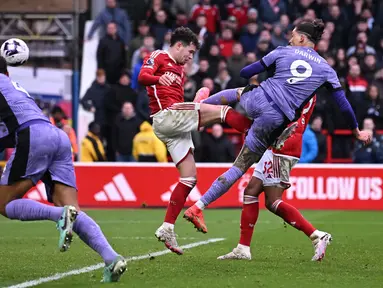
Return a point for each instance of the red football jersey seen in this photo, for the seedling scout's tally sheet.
(160, 97)
(212, 15)
(293, 145)
(240, 13)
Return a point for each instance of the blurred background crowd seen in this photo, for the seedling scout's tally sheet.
(233, 34)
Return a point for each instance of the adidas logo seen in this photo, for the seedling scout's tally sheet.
(117, 190)
(170, 64)
(39, 193)
(194, 195)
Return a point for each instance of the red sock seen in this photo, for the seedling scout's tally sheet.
(293, 217)
(177, 200)
(249, 217)
(236, 120)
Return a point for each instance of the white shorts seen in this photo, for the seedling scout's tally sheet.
(274, 169)
(173, 126)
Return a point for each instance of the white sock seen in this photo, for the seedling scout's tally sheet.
(316, 234)
(244, 248)
(200, 205)
(168, 226)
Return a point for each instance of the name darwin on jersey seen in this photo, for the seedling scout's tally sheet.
(308, 56)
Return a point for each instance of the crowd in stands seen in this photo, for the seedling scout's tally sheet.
(232, 34)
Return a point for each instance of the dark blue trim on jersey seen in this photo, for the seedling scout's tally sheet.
(7, 115)
(263, 63)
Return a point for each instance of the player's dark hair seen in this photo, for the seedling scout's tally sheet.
(184, 35)
(312, 29)
(3, 66)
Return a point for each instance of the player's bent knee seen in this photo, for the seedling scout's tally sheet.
(272, 202)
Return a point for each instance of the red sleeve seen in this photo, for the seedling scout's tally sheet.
(309, 109)
(149, 67)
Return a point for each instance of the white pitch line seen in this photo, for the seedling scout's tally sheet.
(59, 276)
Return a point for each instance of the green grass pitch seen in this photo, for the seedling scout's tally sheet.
(281, 255)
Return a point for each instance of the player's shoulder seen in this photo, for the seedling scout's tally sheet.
(158, 54)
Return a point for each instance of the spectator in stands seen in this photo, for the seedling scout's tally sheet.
(214, 58)
(357, 84)
(309, 146)
(239, 10)
(94, 98)
(249, 37)
(136, 69)
(202, 72)
(160, 28)
(226, 43)
(156, 6)
(118, 95)
(112, 13)
(205, 38)
(92, 149)
(372, 107)
(372, 153)
(278, 38)
(217, 147)
(316, 127)
(224, 80)
(211, 12)
(60, 120)
(127, 125)
(271, 11)
(361, 48)
(190, 88)
(284, 21)
(182, 6)
(209, 83)
(148, 44)
(111, 54)
(369, 67)
(235, 63)
(341, 63)
(147, 147)
(143, 31)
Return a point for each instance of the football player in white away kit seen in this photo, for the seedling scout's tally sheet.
(173, 120)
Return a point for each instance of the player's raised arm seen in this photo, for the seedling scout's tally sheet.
(149, 67)
(344, 105)
(261, 65)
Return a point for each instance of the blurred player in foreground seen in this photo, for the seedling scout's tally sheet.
(173, 120)
(43, 152)
(271, 175)
(278, 101)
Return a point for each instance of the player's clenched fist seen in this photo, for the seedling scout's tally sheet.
(165, 80)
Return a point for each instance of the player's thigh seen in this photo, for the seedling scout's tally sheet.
(60, 179)
(264, 131)
(181, 150)
(171, 122)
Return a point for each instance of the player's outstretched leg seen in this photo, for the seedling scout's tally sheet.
(249, 217)
(165, 232)
(90, 233)
(220, 186)
(293, 217)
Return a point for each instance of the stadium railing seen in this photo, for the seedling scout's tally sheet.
(329, 137)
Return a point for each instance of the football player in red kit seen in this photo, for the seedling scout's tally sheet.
(271, 175)
(173, 120)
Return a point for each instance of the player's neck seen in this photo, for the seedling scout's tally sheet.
(172, 52)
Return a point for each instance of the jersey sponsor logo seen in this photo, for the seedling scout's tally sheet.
(117, 190)
(174, 78)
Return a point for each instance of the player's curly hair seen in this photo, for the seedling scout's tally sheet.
(184, 35)
(312, 29)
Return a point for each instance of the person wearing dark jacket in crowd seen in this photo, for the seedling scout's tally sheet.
(372, 153)
(118, 95)
(111, 54)
(93, 99)
(126, 126)
(316, 127)
(217, 147)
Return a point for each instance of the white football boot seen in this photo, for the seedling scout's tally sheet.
(320, 242)
(240, 252)
(168, 236)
